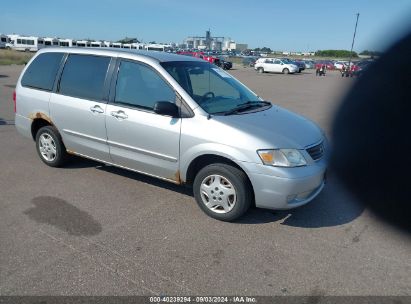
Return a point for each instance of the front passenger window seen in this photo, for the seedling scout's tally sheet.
(140, 86)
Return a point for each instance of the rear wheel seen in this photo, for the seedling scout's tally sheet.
(222, 191)
(286, 71)
(50, 147)
(260, 70)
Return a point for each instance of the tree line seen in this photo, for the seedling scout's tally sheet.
(335, 53)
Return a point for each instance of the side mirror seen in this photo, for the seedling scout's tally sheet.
(166, 108)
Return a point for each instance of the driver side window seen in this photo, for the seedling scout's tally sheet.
(209, 82)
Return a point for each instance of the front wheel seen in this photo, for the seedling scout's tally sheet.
(50, 147)
(286, 71)
(260, 70)
(222, 191)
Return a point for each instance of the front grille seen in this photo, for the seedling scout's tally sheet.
(316, 152)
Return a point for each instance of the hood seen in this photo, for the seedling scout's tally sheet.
(273, 128)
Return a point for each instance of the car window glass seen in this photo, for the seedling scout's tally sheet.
(209, 81)
(42, 71)
(213, 89)
(83, 76)
(140, 86)
(277, 61)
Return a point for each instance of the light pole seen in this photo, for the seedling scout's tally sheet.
(353, 38)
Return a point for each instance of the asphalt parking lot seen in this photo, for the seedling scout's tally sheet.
(90, 229)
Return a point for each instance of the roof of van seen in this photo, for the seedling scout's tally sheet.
(156, 55)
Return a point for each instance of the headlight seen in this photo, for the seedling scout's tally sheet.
(282, 157)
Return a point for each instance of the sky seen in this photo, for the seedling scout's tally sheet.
(281, 25)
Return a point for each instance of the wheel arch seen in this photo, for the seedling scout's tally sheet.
(207, 159)
(37, 124)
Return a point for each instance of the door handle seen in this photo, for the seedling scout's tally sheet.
(96, 109)
(119, 114)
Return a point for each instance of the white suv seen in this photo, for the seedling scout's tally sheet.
(274, 65)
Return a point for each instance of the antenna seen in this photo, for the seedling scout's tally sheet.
(353, 38)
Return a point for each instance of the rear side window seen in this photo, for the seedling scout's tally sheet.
(42, 71)
(83, 76)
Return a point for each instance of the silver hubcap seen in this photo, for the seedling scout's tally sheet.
(47, 147)
(218, 194)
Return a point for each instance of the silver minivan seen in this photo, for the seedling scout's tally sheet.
(177, 118)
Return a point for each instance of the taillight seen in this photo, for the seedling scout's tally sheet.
(14, 100)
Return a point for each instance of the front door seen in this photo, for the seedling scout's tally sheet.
(138, 138)
(277, 66)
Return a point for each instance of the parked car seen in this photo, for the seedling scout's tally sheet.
(249, 61)
(298, 63)
(328, 63)
(361, 67)
(338, 65)
(224, 63)
(309, 64)
(275, 65)
(208, 57)
(177, 118)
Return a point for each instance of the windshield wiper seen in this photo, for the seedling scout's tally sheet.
(246, 106)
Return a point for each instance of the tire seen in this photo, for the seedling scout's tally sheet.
(225, 189)
(260, 70)
(50, 147)
(286, 71)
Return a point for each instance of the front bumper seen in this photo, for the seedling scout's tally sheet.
(281, 192)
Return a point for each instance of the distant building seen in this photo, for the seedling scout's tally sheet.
(241, 47)
(230, 45)
(206, 42)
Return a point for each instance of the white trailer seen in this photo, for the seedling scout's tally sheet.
(83, 43)
(48, 42)
(4, 41)
(117, 45)
(66, 42)
(96, 44)
(26, 43)
(137, 46)
(157, 47)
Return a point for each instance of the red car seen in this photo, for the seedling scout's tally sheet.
(201, 55)
(329, 64)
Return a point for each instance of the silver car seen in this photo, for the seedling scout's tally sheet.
(177, 118)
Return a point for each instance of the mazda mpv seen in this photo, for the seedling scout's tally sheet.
(173, 117)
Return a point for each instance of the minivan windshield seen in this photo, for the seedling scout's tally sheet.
(214, 90)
